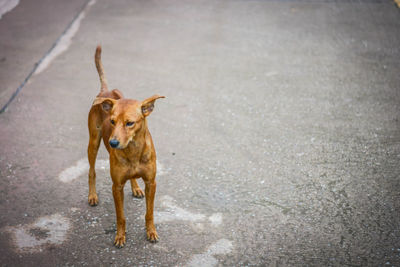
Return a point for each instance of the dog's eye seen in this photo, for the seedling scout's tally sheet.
(130, 123)
(112, 122)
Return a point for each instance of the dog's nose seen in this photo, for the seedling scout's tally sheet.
(114, 143)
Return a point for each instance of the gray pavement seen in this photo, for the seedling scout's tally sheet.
(278, 142)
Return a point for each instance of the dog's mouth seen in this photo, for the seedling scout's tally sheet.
(120, 147)
(115, 144)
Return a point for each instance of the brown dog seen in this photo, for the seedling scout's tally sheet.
(122, 124)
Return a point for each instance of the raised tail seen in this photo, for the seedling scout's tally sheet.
(100, 69)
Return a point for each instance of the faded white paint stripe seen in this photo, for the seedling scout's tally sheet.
(81, 167)
(7, 6)
(74, 172)
(175, 213)
(215, 219)
(45, 230)
(221, 247)
(64, 42)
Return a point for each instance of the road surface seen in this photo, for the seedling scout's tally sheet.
(278, 143)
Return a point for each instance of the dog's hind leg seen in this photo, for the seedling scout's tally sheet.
(136, 191)
(94, 124)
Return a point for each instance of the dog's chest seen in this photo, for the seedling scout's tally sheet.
(134, 164)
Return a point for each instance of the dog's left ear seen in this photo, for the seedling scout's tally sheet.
(148, 104)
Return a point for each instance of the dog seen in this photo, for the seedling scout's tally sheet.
(122, 124)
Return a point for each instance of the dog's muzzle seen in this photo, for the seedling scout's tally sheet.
(114, 143)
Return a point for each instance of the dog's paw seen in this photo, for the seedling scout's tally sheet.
(137, 192)
(119, 241)
(93, 200)
(152, 236)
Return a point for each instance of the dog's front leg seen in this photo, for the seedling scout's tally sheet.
(150, 192)
(118, 194)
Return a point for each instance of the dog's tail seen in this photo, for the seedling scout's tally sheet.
(100, 69)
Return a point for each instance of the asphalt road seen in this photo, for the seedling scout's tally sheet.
(278, 143)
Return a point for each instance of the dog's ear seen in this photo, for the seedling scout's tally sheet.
(106, 103)
(148, 104)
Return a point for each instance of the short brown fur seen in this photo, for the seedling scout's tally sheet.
(134, 157)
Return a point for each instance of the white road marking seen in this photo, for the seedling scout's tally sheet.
(175, 213)
(74, 209)
(221, 247)
(74, 172)
(271, 73)
(215, 219)
(64, 42)
(45, 230)
(160, 168)
(81, 167)
(7, 6)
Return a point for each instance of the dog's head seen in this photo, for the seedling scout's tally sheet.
(127, 117)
